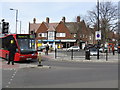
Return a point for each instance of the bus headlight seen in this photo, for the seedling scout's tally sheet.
(33, 54)
(22, 56)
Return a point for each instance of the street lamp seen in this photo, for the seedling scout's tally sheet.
(16, 17)
(20, 25)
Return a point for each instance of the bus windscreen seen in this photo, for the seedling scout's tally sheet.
(26, 43)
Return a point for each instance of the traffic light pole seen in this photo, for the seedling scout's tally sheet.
(98, 49)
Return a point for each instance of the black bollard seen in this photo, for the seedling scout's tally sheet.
(106, 55)
(55, 53)
(72, 54)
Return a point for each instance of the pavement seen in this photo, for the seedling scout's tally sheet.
(5, 66)
(51, 56)
(102, 58)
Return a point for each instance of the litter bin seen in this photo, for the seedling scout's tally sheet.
(87, 54)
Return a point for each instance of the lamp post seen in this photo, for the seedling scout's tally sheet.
(20, 26)
(16, 17)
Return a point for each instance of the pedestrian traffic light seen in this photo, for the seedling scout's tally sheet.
(5, 27)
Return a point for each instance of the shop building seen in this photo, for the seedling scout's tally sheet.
(62, 34)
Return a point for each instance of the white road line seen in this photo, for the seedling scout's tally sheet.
(7, 86)
(11, 77)
(9, 82)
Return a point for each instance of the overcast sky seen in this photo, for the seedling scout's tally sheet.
(40, 10)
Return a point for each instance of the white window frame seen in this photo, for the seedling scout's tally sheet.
(60, 34)
(51, 35)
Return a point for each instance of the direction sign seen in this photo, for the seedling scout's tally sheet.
(98, 35)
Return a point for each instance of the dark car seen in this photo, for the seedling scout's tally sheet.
(41, 48)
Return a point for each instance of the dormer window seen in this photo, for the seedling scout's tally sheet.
(75, 35)
(42, 35)
(61, 35)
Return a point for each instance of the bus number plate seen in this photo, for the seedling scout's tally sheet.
(28, 58)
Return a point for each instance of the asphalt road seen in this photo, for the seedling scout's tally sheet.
(63, 74)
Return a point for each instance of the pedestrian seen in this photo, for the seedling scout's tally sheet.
(12, 51)
(113, 51)
(47, 49)
(119, 48)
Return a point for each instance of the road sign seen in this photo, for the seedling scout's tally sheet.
(98, 35)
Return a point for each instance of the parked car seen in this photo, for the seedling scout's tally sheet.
(93, 51)
(77, 48)
(116, 48)
(103, 49)
(41, 48)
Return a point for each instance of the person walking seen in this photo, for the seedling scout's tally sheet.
(47, 49)
(12, 51)
(113, 51)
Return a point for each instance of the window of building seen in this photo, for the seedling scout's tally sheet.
(90, 37)
(60, 34)
(51, 35)
(75, 35)
(80, 36)
(42, 35)
(83, 35)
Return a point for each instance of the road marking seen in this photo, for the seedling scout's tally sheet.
(9, 82)
(7, 86)
(13, 75)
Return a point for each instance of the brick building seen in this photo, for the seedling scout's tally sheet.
(64, 34)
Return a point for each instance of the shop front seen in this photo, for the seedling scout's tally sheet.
(68, 43)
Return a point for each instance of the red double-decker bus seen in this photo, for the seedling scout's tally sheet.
(25, 44)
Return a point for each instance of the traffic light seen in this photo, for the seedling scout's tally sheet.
(5, 27)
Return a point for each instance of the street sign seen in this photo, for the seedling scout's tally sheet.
(98, 35)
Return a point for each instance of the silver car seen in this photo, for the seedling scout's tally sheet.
(93, 51)
(77, 48)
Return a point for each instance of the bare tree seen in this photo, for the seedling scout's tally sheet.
(108, 19)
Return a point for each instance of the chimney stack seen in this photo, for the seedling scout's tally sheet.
(78, 18)
(47, 19)
(63, 19)
(34, 20)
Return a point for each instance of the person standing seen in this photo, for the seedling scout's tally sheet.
(12, 51)
(47, 49)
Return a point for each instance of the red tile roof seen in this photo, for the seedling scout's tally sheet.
(51, 26)
(34, 26)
